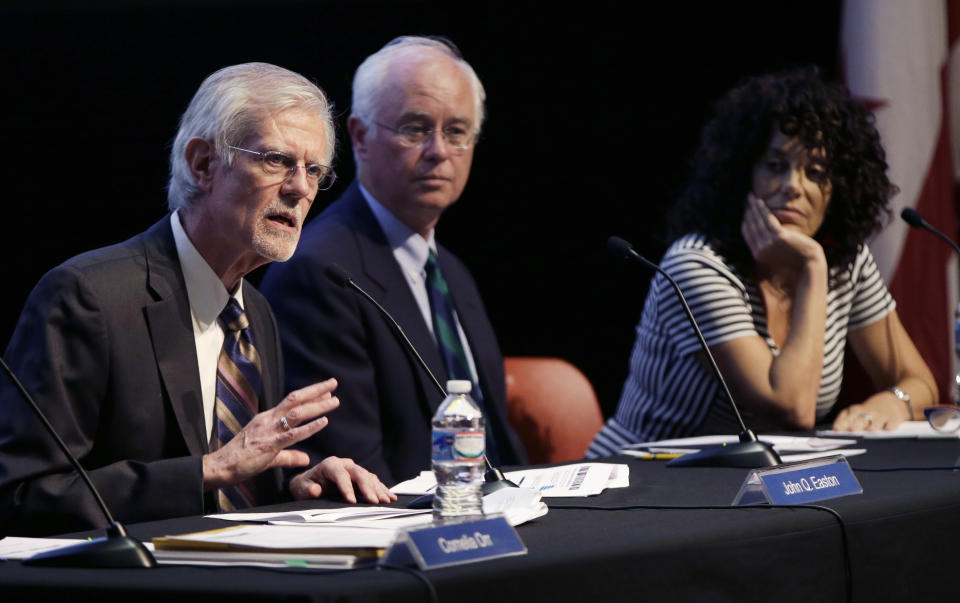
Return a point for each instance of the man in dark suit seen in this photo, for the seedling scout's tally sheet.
(123, 350)
(417, 111)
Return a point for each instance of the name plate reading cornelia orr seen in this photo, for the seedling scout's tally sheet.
(446, 544)
(799, 483)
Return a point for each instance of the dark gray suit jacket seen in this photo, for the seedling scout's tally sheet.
(105, 344)
(387, 399)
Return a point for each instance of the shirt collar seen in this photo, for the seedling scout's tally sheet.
(410, 249)
(205, 291)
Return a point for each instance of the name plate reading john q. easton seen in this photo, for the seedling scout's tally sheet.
(799, 483)
(455, 543)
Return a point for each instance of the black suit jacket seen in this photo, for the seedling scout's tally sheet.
(387, 399)
(105, 344)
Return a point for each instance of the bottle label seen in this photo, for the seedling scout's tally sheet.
(453, 445)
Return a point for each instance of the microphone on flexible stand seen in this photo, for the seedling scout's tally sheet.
(493, 479)
(915, 219)
(748, 452)
(117, 549)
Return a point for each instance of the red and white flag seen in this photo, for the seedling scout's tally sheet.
(901, 58)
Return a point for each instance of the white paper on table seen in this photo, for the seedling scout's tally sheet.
(580, 479)
(424, 516)
(357, 516)
(295, 537)
(779, 442)
(619, 476)
(18, 547)
(424, 483)
(806, 456)
(907, 429)
(259, 559)
(518, 505)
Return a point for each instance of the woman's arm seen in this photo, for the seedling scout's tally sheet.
(782, 388)
(891, 360)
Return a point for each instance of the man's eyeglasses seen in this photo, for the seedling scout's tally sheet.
(276, 163)
(414, 135)
(943, 418)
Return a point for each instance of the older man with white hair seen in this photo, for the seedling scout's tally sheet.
(154, 359)
(417, 111)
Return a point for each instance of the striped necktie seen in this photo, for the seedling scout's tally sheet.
(448, 340)
(239, 387)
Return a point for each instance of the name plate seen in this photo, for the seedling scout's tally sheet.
(799, 483)
(456, 543)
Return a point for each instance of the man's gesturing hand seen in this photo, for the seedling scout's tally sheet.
(262, 442)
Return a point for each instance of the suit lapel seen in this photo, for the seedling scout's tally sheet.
(171, 332)
(390, 288)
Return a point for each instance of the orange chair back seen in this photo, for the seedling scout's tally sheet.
(553, 408)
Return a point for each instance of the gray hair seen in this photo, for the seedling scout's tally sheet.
(229, 105)
(368, 80)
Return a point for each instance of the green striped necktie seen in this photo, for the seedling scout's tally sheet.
(448, 341)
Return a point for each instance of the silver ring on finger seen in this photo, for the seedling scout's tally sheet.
(284, 424)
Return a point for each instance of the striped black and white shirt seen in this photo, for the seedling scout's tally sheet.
(669, 393)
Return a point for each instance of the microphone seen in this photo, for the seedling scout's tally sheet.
(915, 219)
(117, 549)
(493, 479)
(748, 452)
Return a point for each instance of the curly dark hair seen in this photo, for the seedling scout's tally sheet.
(821, 116)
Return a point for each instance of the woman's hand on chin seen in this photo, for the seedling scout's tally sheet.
(773, 245)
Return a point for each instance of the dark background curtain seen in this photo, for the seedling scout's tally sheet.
(594, 110)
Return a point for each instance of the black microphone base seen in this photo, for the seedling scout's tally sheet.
(494, 480)
(115, 550)
(749, 455)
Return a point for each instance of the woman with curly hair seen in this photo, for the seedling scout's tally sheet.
(788, 184)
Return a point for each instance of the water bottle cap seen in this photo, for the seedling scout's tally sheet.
(459, 386)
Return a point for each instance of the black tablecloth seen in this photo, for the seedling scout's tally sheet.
(896, 541)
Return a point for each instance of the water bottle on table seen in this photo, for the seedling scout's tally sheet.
(458, 454)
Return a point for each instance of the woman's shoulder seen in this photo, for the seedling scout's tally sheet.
(693, 256)
(697, 248)
(862, 268)
(695, 243)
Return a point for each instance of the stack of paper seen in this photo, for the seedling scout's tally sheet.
(517, 505)
(15, 547)
(260, 559)
(790, 448)
(283, 542)
(908, 429)
(580, 479)
(386, 518)
(337, 538)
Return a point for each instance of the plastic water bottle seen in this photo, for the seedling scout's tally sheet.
(458, 451)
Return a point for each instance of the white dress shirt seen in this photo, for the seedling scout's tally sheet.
(208, 297)
(411, 251)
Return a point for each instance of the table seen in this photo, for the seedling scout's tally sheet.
(901, 536)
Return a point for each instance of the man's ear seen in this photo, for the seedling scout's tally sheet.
(358, 135)
(203, 162)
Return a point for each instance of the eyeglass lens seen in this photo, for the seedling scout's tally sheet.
(275, 162)
(943, 419)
